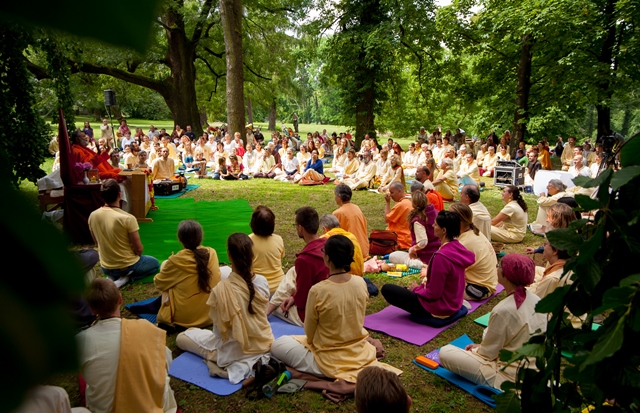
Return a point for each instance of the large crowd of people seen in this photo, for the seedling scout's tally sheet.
(324, 291)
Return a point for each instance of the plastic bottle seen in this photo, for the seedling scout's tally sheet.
(270, 388)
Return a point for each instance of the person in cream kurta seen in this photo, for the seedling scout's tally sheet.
(183, 303)
(335, 342)
(446, 184)
(510, 225)
(512, 322)
(364, 175)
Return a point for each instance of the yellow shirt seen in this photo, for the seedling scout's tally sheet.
(182, 301)
(482, 272)
(351, 167)
(449, 187)
(163, 169)
(357, 266)
(334, 329)
(268, 253)
(110, 228)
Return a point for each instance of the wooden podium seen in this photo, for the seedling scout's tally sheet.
(137, 196)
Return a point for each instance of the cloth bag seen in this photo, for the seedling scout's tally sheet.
(382, 242)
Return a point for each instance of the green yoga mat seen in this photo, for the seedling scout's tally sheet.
(219, 219)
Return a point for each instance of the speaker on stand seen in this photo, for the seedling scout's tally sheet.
(110, 100)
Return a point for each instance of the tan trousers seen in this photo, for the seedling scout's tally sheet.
(294, 354)
(286, 289)
(474, 367)
(499, 234)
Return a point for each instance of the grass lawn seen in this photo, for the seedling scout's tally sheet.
(429, 393)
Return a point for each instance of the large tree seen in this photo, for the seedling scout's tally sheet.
(194, 49)
(371, 35)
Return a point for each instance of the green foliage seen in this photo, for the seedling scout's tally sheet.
(23, 135)
(605, 285)
(36, 327)
(60, 73)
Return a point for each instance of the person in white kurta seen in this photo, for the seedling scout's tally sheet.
(510, 225)
(365, 174)
(511, 324)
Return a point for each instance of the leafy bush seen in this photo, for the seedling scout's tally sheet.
(585, 366)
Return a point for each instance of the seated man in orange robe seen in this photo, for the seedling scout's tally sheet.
(396, 217)
(100, 160)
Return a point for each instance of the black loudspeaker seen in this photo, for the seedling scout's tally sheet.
(110, 98)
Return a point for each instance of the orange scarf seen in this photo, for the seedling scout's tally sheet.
(554, 267)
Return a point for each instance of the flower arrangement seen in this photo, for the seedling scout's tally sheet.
(80, 169)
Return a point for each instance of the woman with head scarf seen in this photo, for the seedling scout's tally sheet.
(512, 323)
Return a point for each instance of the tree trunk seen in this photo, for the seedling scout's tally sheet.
(521, 115)
(318, 118)
(365, 117)
(231, 19)
(607, 59)
(203, 117)
(249, 110)
(626, 121)
(272, 115)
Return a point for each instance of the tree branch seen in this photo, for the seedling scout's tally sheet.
(204, 13)
(211, 52)
(159, 86)
(251, 70)
(276, 10)
(210, 68)
(164, 26)
(39, 72)
(206, 31)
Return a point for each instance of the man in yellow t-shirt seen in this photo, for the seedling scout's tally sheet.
(115, 232)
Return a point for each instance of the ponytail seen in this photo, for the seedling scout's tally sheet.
(190, 235)
(240, 251)
(515, 192)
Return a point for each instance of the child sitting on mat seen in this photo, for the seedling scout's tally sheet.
(513, 321)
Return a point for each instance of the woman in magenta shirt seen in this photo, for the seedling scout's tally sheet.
(441, 292)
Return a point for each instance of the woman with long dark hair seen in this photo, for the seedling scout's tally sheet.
(186, 279)
(510, 225)
(241, 333)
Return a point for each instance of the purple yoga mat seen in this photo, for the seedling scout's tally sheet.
(395, 322)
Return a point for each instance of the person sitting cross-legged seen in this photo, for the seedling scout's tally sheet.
(241, 333)
(335, 344)
(439, 297)
(186, 279)
(511, 324)
(115, 232)
(289, 301)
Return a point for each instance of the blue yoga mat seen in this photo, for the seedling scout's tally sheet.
(481, 392)
(190, 367)
(152, 318)
(282, 328)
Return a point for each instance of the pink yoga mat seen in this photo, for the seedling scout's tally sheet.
(395, 322)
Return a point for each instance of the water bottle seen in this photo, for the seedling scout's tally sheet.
(270, 388)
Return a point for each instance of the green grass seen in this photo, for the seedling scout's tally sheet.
(429, 393)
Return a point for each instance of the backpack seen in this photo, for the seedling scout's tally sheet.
(382, 242)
